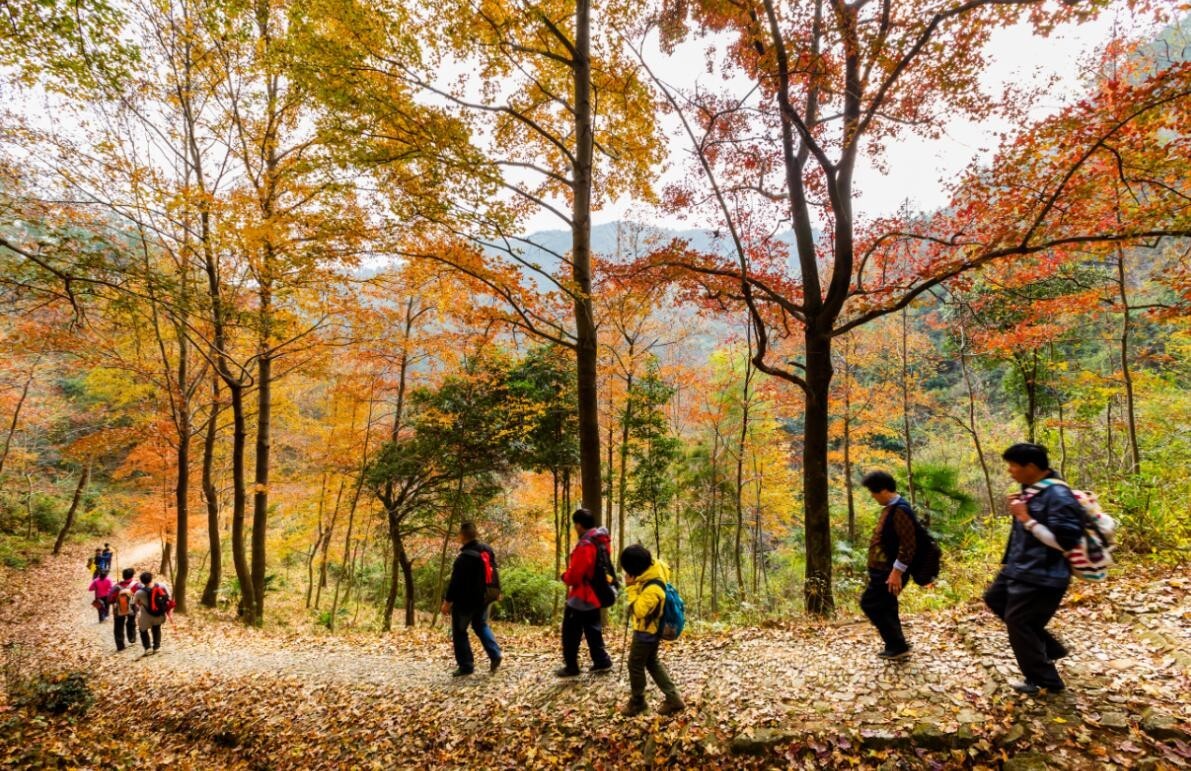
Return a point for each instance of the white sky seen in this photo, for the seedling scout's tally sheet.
(915, 167)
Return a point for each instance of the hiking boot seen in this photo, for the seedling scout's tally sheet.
(495, 665)
(671, 706)
(633, 708)
(1026, 688)
(596, 669)
(895, 655)
(148, 652)
(461, 672)
(566, 672)
(1060, 653)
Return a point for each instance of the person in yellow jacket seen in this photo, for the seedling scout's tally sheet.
(646, 599)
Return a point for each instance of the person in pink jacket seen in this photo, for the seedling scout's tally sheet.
(101, 586)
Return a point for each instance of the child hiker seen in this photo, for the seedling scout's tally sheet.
(645, 580)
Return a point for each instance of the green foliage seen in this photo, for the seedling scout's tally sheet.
(528, 595)
(943, 504)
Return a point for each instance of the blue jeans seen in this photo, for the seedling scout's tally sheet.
(477, 620)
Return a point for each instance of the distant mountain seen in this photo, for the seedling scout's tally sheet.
(627, 240)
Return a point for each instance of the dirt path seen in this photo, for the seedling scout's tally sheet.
(811, 693)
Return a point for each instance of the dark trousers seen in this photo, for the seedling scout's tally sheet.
(125, 626)
(576, 625)
(643, 657)
(475, 619)
(881, 608)
(156, 631)
(103, 611)
(1026, 610)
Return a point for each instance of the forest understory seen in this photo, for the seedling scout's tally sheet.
(805, 694)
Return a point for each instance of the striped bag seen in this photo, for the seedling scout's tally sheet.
(1091, 559)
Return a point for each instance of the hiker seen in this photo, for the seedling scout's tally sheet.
(474, 586)
(93, 563)
(101, 586)
(645, 580)
(890, 552)
(581, 617)
(122, 601)
(104, 560)
(153, 604)
(1034, 577)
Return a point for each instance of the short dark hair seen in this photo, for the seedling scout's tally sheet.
(146, 577)
(98, 550)
(103, 574)
(128, 573)
(635, 559)
(584, 519)
(876, 481)
(1025, 453)
(468, 530)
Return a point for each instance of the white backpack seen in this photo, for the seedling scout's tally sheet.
(1091, 559)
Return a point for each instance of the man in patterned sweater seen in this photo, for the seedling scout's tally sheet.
(889, 555)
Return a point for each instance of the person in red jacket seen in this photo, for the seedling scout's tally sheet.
(582, 615)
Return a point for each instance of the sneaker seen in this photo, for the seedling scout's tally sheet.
(1061, 653)
(596, 669)
(891, 655)
(633, 708)
(566, 672)
(461, 672)
(1027, 688)
(148, 652)
(495, 665)
(669, 707)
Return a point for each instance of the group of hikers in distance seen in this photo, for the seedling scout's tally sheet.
(1055, 532)
(135, 605)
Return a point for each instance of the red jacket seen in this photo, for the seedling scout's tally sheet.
(581, 568)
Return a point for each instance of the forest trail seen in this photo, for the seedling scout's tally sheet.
(807, 692)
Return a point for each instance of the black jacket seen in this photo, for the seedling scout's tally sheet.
(466, 589)
(1029, 560)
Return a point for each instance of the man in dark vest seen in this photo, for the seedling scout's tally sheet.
(474, 586)
(890, 552)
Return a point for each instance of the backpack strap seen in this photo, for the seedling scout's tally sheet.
(657, 612)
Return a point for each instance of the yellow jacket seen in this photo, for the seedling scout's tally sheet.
(645, 601)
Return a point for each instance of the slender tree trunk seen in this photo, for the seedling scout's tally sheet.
(446, 540)
(611, 468)
(84, 478)
(260, 493)
(1126, 371)
(395, 546)
(240, 503)
(211, 497)
(908, 437)
(815, 478)
(745, 405)
(322, 570)
(320, 534)
(1062, 440)
(622, 482)
(586, 346)
(558, 528)
(974, 427)
(182, 491)
(16, 415)
(716, 508)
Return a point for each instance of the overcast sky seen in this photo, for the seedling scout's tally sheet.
(914, 166)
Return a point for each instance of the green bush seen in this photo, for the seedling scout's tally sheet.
(63, 693)
(527, 595)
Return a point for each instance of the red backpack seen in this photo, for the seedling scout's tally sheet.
(159, 601)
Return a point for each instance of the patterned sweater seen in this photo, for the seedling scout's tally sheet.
(902, 535)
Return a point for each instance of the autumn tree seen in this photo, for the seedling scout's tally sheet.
(828, 84)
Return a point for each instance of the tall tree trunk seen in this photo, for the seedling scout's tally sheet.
(211, 497)
(260, 491)
(395, 547)
(558, 528)
(407, 571)
(325, 559)
(586, 346)
(907, 436)
(182, 490)
(16, 415)
(320, 534)
(622, 482)
(745, 404)
(974, 427)
(446, 540)
(611, 468)
(1126, 371)
(84, 478)
(716, 508)
(240, 503)
(815, 479)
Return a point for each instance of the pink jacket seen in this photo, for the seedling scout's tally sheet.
(102, 588)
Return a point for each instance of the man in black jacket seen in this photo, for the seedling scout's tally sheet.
(1034, 576)
(468, 597)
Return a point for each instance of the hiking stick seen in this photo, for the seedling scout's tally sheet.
(624, 644)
